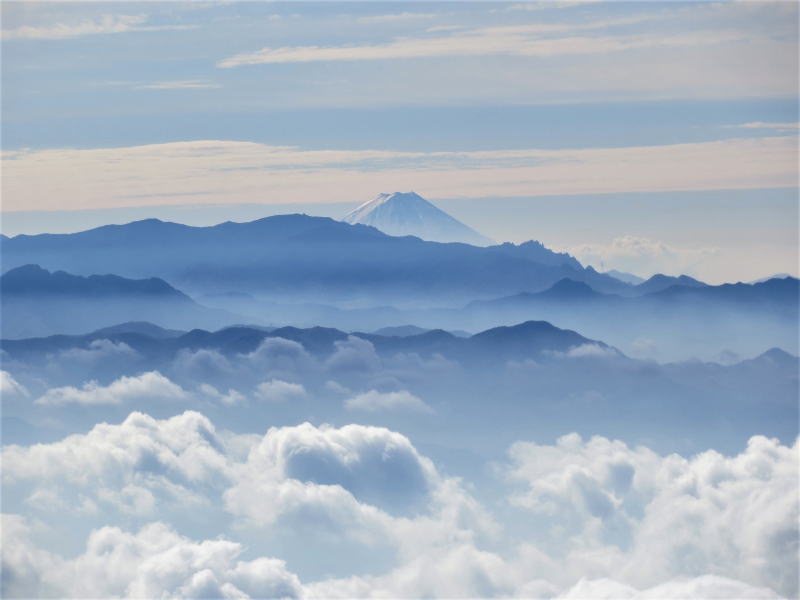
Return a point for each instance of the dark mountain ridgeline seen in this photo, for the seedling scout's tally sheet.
(299, 257)
(661, 282)
(525, 340)
(36, 302)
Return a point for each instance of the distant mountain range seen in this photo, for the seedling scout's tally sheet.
(661, 282)
(626, 277)
(773, 296)
(526, 340)
(408, 213)
(299, 258)
(34, 301)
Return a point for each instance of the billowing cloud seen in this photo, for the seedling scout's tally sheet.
(155, 562)
(340, 475)
(360, 482)
(97, 351)
(151, 385)
(231, 398)
(280, 358)
(667, 516)
(127, 467)
(353, 355)
(642, 256)
(276, 390)
(618, 521)
(375, 401)
(202, 364)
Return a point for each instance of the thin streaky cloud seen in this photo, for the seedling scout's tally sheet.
(548, 4)
(107, 177)
(189, 84)
(763, 125)
(511, 41)
(106, 24)
(405, 16)
(438, 28)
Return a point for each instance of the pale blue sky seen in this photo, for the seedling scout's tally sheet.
(584, 125)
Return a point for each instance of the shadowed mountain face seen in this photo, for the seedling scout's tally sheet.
(33, 281)
(302, 258)
(410, 214)
(38, 302)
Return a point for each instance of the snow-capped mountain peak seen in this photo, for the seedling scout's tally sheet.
(408, 213)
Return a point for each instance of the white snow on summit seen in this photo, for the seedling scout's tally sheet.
(410, 214)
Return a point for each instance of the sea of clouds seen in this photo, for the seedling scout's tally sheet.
(176, 507)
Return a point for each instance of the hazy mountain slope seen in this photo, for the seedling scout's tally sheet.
(34, 302)
(536, 252)
(661, 282)
(408, 213)
(297, 258)
(674, 323)
(626, 277)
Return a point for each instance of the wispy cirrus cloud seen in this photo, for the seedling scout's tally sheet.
(548, 4)
(186, 84)
(105, 24)
(529, 40)
(782, 127)
(107, 177)
(393, 18)
(181, 84)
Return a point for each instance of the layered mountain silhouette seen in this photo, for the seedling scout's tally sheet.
(626, 277)
(34, 301)
(522, 341)
(696, 318)
(772, 295)
(661, 282)
(408, 213)
(301, 258)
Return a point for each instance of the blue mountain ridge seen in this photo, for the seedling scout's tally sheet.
(302, 257)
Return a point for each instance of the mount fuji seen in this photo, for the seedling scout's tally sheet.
(400, 214)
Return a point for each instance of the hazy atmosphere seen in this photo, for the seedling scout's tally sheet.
(400, 300)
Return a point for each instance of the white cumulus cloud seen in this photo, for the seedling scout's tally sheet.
(151, 385)
(662, 517)
(642, 256)
(375, 401)
(155, 562)
(276, 390)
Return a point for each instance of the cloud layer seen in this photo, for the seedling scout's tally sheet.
(202, 171)
(588, 518)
